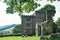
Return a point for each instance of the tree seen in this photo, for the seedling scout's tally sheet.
(48, 26)
(50, 9)
(16, 29)
(51, 0)
(58, 21)
(58, 24)
(1, 33)
(21, 6)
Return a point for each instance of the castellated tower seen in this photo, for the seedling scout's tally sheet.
(31, 23)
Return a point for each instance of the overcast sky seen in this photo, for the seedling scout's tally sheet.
(6, 19)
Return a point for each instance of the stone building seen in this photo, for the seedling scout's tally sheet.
(29, 23)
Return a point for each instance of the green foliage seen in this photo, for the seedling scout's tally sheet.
(5, 33)
(58, 30)
(20, 6)
(9, 10)
(29, 6)
(49, 7)
(1, 33)
(48, 27)
(57, 37)
(16, 29)
(58, 22)
(51, 0)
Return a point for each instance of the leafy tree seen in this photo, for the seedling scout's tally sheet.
(20, 6)
(51, 0)
(1, 33)
(49, 7)
(16, 29)
(48, 26)
(58, 24)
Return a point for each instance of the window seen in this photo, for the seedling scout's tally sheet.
(28, 19)
(28, 31)
(28, 24)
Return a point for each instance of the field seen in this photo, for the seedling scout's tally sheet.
(27, 38)
(19, 38)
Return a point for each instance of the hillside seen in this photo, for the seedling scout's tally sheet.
(6, 27)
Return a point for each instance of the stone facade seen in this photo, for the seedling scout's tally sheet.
(29, 23)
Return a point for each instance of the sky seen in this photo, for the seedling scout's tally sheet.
(6, 19)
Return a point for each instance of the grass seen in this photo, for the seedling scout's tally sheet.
(19, 38)
(27, 38)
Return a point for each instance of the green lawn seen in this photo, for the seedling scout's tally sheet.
(27, 38)
(19, 38)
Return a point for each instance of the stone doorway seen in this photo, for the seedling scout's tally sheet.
(39, 30)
